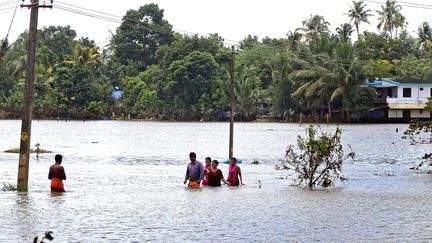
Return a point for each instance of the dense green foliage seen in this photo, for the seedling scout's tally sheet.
(168, 75)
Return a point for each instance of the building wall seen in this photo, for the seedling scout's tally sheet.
(414, 114)
(395, 114)
(420, 114)
(416, 93)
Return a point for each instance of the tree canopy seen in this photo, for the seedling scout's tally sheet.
(163, 74)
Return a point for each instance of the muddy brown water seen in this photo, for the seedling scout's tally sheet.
(125, 184)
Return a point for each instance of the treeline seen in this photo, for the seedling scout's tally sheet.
(171, 76)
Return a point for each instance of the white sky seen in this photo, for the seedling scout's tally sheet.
(232, 19)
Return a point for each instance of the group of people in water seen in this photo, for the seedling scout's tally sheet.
(210, 175)
(196, 173)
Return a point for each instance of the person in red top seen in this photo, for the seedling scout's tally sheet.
(207, 168)
(234, 174)
(57, 174)
(215, 175)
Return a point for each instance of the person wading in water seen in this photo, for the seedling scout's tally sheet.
(194, 172)
(234, 174)
(215, 175)
(57, 174)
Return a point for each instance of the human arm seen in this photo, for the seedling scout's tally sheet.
(222, 177)
(63, 174)
(240, 175)
(187, 175)
(201, 171)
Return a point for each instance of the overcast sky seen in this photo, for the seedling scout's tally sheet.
(232, 19)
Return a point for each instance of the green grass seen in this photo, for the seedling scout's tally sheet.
(9, 187)
(255, 162)
(17, 150)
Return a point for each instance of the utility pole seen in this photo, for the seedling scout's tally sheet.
(232, 101)
(23, 164)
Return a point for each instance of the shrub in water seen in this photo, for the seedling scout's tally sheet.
(318, 156)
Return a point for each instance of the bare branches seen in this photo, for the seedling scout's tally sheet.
(318, 155)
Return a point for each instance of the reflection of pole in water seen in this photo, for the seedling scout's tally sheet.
(37, 150)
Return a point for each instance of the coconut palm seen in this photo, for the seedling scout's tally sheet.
(359, 14)
(294, 39)
(247, 91)
(425, 36)
(318, 84)
(82, 55)
(389, 16)
(399, 22)
(345, 31)
(16, 57)
(329, 78)
(314, 26)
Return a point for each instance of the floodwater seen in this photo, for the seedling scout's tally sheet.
(125, 184)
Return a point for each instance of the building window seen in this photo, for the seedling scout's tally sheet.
(421, 111)
(421, 89)
(407, 92)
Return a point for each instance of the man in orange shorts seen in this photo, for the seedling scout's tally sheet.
(57, 174)
(194, 172)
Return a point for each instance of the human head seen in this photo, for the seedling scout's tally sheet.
(208, 161)
(214, 164)
(233, 160)
(192, 156)
(58, 158)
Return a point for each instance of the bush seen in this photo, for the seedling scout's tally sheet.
(9, 187)
(317, 156)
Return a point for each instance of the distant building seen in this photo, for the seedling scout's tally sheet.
(117, 94)
(402, 98)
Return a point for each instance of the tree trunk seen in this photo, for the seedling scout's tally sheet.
(358, 32)
(329, 108)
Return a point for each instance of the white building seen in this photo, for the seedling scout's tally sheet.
(404, 98)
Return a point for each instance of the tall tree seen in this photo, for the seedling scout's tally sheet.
(294, 39)
(425, 36)
(140, 34)
(359, 14)
(314, 26)
(399, 22)
(389, 16)
(344, 32)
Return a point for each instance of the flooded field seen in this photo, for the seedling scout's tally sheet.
(125, 184)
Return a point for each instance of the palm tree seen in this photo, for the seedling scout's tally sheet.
(83, 55)
(16, 57)
(318, 84)
(425, 36)
(389, 16)
(329, 78)
(314, 26)
(345, 31)
(359, 14)
(247, 91)
(294, 39)
(399, 22)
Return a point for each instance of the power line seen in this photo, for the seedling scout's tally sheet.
(405, 4)
(158, 71)
(7, 2)
(9, 8)
(13, 17)
(120, 20)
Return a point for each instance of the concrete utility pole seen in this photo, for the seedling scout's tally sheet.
(23, 165)
(232, 101)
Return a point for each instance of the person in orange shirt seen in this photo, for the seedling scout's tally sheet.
(57, 174)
